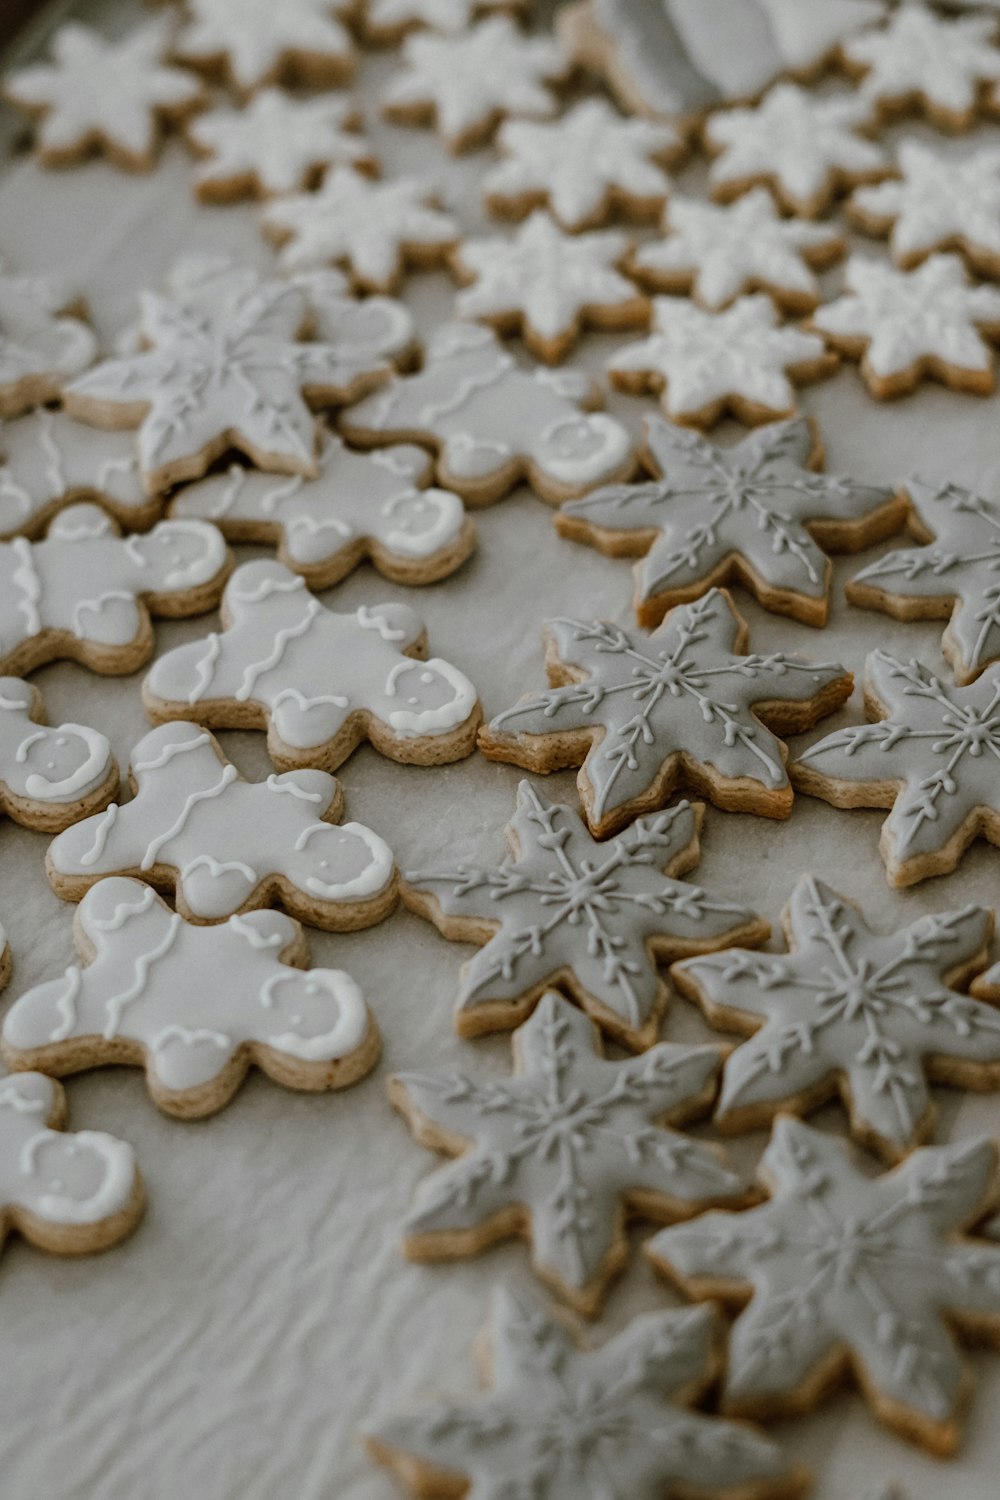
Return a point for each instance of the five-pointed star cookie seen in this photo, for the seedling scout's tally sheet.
(642, 714)
(754, 514)
(849, 1274)
(919, 60)
(906, 326)
(563, 909)
(48, 461)
(584, 166)
(806, 148)
(718, 252)
(255, 42)
(847, 1010)
(937, 203)
(42, 343)
(275, 144)
(466, 82)
(931, 756)
(548, 285)
(388, 21)
(563, 1152)
(562, 1423)
(104, 95)
(374, 230)
(707, 365)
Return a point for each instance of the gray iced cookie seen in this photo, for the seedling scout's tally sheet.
(48, 461)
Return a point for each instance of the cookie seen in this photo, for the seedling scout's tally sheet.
(907, 326)
(740, 362)
(593, 918)
(492, 424)
(558, 1421)
(585, 168)
(194, 1006)
(936, 203)
(807, 148)
(43, 341)
(923, 63)
(320, 683)
(49, 777)
(756, 513)
(547, 285)
(928, 755)
(250, 43)
(275, 144)
(952, 576)
(873, 1017)
(86, 594)
(99, 96)
(844, 1275)
(386, 22)
(562, 1153)
(375, 230)
(717, 253)
(642, 715)
(467, 82)
(223, 845)
(48, 461)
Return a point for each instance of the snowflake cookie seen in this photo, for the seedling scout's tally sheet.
(847, 1274)
(806, 148)
(846, 1010)
(717, 253)
(319, 683)
(98, 95)
(930, 755)
(193, 1005)
(563, 1152)
(921, 61)
(375, 230)
(275, 144)
(194, 827)
(548, 285)
(49, 777)
(374, 505)
(86, 594)
(706, 365)
(937, 203)
(493, 424)
(48, 461)
(564, 1423)
(467, 82)
(641, 715)
(595, 918)
(756, 514)
(386, 22)
(584, 167)
(255, 42)
(43, 344)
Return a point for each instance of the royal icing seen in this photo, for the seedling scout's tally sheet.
(583, 165)
(492, 422)
(707, 363)
(372, 228)
(937, 202)
(668, 706)
(261, 42)
(321, 681)
(713, 514)
(851, 1009)
(395, 16)
(850, 1271)
(41, 347)
(613, 1422)
(104, 94)
(45, 766)
(48, 461)
(594, 917)
(920, 55)
(227, 843)
(189, 1003)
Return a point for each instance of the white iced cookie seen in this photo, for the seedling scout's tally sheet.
(387, 21)
(49, 777)
(922, 61)
(48, 461)
(194, 1006)
(255, 42)
(42, 343)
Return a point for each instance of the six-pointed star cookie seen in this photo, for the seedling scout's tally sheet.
(753, 514)
(563, 1152)
(807, 149)
(642, 714)
(103, 95)
(563, 909)
(388, 21)
(563, 1423)
(548, 285)
(584, 167)
(905, 326)
(42, 345)
(851, 1011)
(937, 203)
(849, 1274)
(706, 365)
(48, 461)
(717, 252)
(921, 61)
(253, 42)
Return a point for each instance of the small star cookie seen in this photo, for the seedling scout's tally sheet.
(937, 203)
(925, 63)
(250, 43)
(386, 22)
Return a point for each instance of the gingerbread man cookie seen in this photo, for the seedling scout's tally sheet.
(49, 777)
(43, 344)
(250, 43)
(936, 203)
(48, 461)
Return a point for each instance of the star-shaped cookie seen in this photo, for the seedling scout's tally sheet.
(43, 343)
(388, 21)
(920, 61)
(937, 203)
(254, 42)
(756, 514)
(595, 918)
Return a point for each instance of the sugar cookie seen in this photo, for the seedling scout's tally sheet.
(43, 341)
(49, 777)
(48, 461)
(936, 203)
(385, 22)
(920, 62)
(250, 43)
